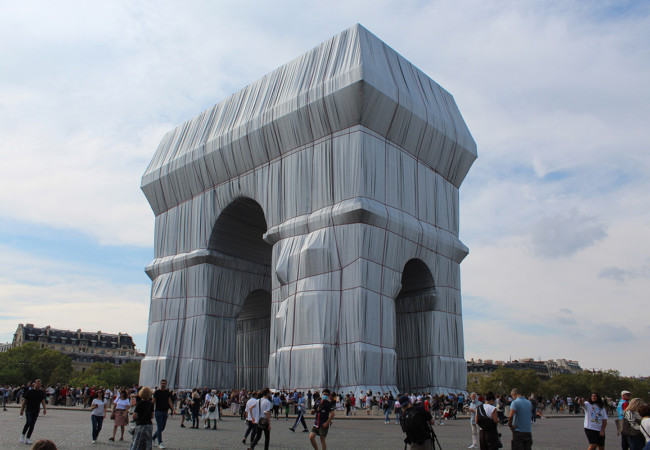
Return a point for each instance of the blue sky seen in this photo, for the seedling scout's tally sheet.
(555, 210)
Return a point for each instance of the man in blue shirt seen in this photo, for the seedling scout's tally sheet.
(519, 421)
(620, 409)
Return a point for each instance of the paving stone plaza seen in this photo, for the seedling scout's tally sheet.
(70, 429)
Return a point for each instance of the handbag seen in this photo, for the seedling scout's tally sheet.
(212, 408)
(627, 429)
(263, 422)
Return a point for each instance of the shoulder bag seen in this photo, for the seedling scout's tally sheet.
(262, 422)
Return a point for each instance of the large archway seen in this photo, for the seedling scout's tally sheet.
(238, 233)
(414, 332)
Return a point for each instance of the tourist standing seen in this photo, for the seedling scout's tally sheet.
(487, 419)
(32, 401)
(416, 423)
(162, 403)
(620, 409)
(595, 422)
(98, 414)
(473, 406)
(632, 425)
(519, 422)
(142, 415)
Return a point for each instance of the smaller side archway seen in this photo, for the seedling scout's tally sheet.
(253, 341)
(414, 327)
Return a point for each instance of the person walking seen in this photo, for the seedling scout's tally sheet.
(120, 414)
(250, 424)
(324, 415)
(262, 417)
(32, 401)
(300, 407)
(162, 403)
(519, 422)
(97, 415)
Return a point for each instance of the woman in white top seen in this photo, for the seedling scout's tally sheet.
(595, 422)
(488, 436)
(98, 414)
(120, 414)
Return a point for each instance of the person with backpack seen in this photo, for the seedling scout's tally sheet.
(487, 420)
(415, 422)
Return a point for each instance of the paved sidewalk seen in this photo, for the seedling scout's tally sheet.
(71, 429)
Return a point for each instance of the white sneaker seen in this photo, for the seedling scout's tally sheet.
(93, 441)
(28, 441)
(161, 445)
(22, 439)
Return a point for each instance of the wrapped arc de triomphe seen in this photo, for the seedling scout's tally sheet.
(306, 231)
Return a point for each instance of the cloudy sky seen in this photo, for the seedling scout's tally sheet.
(555, 211)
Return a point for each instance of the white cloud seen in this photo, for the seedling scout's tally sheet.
(555, 210)
(68, 296)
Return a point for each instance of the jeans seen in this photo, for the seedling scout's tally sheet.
(636, 442)
(30, 421)
(97, 422)
(387, 414)
(398, 413)
(161, 421)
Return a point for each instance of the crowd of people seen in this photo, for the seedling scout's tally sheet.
(135, 409)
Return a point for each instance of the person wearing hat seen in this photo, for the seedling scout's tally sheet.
(415, 423)
(620, 409)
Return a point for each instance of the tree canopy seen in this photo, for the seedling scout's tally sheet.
(607, 383)
(30, 362)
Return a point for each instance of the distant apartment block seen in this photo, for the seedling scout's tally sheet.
(84, 348)
(544, 369)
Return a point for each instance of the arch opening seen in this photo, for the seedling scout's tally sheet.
(239, 233)
(414, 327)
(253, 341)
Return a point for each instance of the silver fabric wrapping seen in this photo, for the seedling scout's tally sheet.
(306, 231)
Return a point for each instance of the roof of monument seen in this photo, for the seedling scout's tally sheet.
(352, 79)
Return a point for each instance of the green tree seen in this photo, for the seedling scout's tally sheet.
(504, 379)
(29, 362)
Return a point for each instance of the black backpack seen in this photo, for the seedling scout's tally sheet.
(484, 421)
(414, 424)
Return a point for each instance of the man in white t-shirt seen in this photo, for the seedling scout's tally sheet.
(252, 430)
(262, 408)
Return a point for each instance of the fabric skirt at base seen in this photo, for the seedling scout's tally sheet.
(121, 417)
(142, 437)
